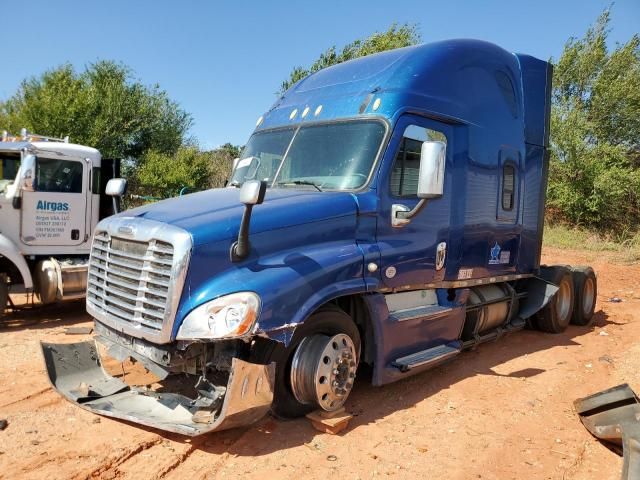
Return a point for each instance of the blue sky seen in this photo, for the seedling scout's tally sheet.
(223, 61)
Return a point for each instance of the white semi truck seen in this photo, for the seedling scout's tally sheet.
(52, 195)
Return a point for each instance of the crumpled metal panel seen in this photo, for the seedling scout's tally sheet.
(75, 372)
(613, 416)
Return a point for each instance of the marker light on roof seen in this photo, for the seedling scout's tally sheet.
(293, 114)
(259, 122)
(318, 110)
(376, 104)
(305, 111)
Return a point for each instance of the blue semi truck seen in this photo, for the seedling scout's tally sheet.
(386, 211)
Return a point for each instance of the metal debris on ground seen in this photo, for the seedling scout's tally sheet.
(78, 330)
(613, 416)
(615, 300)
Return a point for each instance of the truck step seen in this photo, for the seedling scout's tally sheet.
(419, 312)
(431, 356)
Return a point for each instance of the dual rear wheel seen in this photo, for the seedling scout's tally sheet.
(574, 302)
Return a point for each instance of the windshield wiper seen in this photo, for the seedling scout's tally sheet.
(301, 182)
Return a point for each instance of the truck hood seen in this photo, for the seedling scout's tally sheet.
(215, 215)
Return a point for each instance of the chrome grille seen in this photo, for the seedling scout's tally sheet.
(130, 280)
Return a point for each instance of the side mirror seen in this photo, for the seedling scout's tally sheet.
(252, 192)
(244, 170)
(116, 188)
(27, 173)
(431, 176)
(430, 182)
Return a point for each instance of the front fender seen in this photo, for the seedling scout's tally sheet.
(10, 250)
(291, 285)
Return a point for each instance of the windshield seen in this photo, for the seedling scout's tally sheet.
(334, 156)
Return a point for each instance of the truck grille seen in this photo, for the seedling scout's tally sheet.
(130, 280)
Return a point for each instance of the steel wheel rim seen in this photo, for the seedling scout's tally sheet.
(588, 296)
(323, 370)
(563, 301)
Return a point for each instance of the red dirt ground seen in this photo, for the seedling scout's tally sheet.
(503, 411)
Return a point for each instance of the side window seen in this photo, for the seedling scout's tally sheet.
(62, 176)
(406, 166)
(508, 186)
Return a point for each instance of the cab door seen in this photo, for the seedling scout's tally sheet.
(54, 212)
(414, 254)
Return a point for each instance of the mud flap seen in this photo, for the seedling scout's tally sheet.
(613, 416)
(75, 371)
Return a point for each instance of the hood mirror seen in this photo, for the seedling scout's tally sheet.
(251, 193)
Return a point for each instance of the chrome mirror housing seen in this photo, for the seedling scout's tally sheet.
(431, 176)
(252, 192)
(28, 173)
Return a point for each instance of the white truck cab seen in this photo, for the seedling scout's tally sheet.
(51, 192)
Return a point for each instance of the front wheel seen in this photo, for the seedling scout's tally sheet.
(319, 367)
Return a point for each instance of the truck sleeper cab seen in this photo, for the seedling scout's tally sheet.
(387, 211)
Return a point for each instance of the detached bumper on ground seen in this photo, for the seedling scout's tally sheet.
(75, 371)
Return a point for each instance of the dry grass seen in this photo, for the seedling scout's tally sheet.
(626, 249)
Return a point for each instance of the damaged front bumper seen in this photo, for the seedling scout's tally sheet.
(75, 370)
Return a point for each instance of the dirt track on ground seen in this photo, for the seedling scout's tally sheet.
(503, 411)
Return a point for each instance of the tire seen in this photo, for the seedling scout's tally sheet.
(556, 315)
(585, 286)
(324, 324)
(4, 293)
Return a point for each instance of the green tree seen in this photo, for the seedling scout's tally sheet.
(162, 175)
(396, 36)
(595, 133)
(103, 107)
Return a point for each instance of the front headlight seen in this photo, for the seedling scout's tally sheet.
(229, 316)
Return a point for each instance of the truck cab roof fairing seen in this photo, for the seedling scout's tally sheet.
(468, 81)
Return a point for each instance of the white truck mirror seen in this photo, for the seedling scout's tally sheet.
(431, 176)
(27, 173)
(116, 187)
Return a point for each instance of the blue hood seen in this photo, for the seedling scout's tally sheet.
(215, 215)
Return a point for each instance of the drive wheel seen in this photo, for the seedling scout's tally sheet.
(556, 315)
(586, 292)
(320, 366)
(4, 293)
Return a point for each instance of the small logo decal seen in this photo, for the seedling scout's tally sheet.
(499, 256)
(390, 272)
(495, 254)
(126, 229)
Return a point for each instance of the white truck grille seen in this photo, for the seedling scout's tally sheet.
(134, 283)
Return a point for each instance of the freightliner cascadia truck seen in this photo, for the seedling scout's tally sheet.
(52, 195)
(385, 211)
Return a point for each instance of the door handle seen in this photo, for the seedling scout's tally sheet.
(75, 234)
